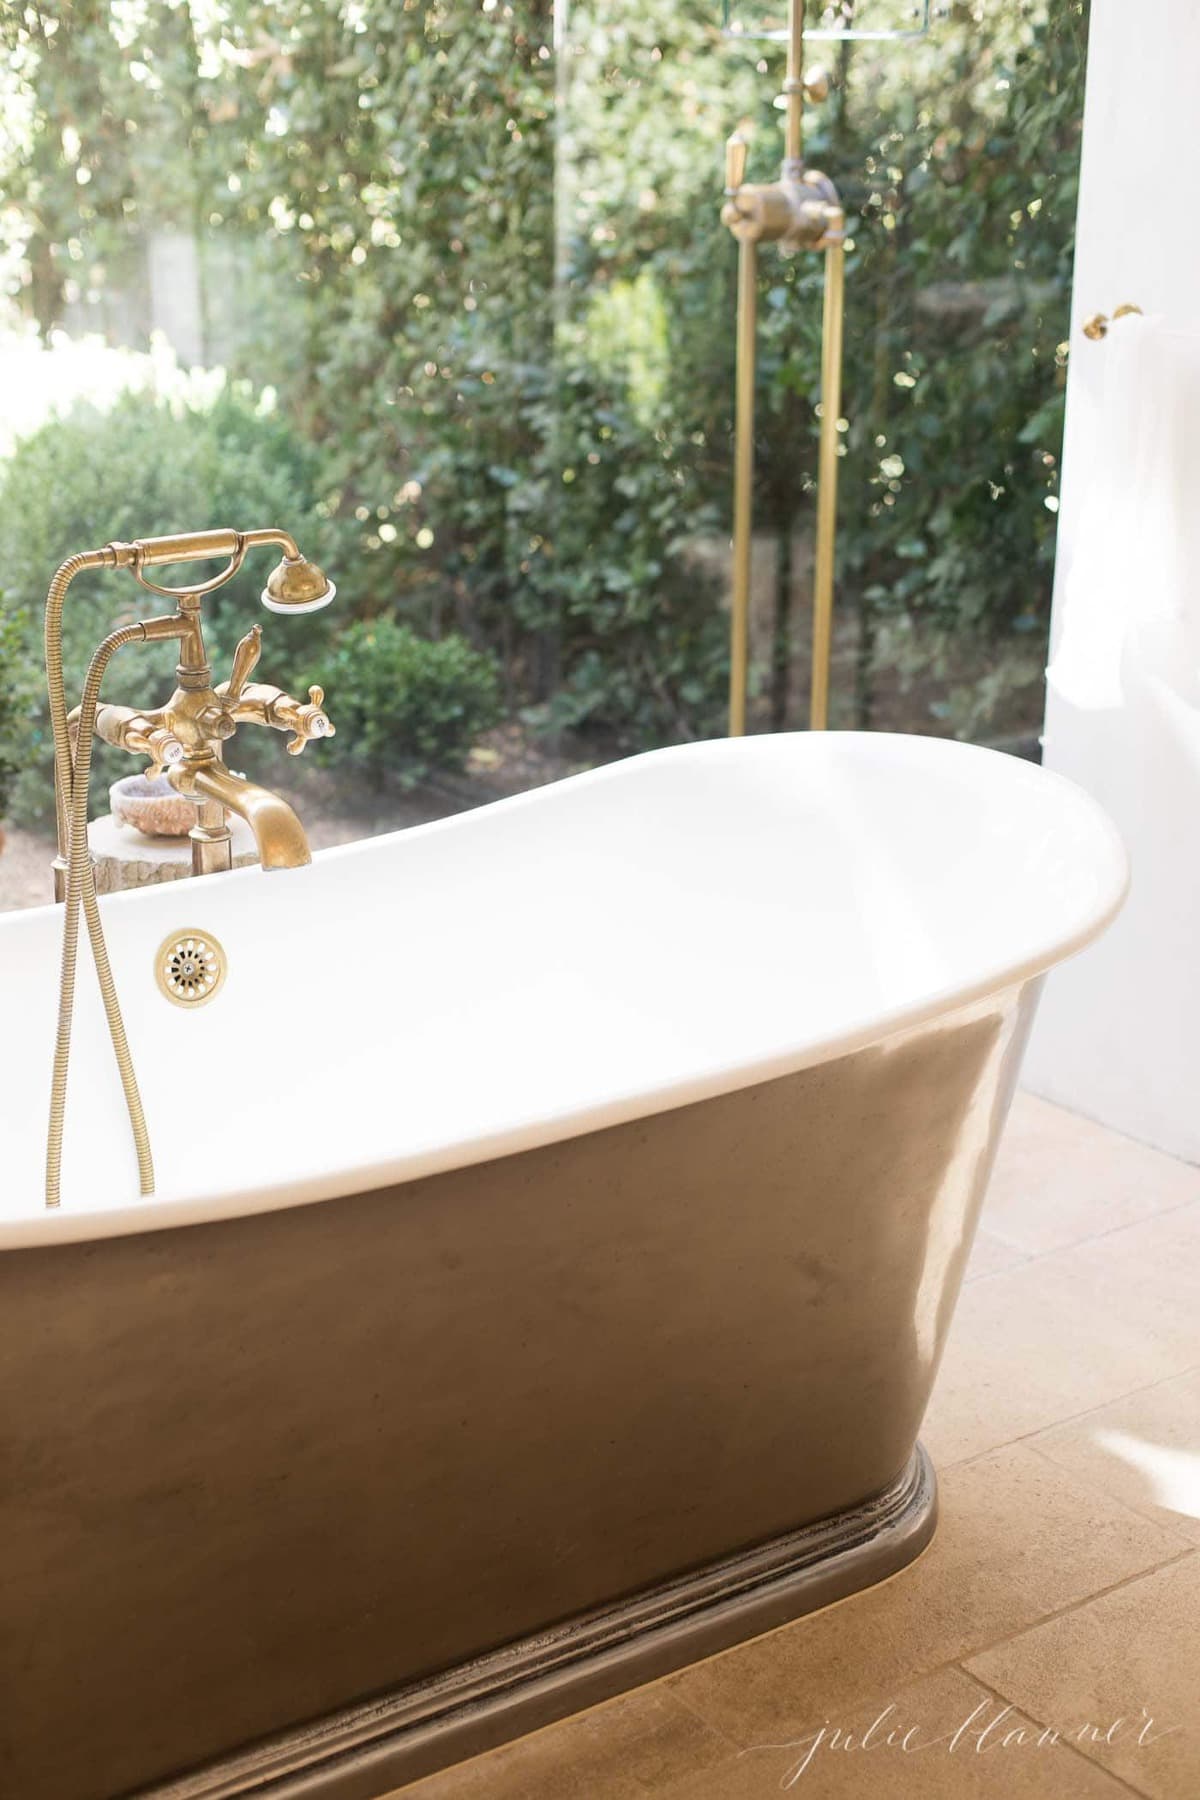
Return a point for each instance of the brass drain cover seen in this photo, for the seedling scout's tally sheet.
(190, 967)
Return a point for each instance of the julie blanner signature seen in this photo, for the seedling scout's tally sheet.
(989, 1727)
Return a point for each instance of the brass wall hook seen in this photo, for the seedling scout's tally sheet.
(1097, 326)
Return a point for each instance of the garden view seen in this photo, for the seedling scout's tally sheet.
(440, 286)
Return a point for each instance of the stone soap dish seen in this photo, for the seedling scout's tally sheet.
(151, 807)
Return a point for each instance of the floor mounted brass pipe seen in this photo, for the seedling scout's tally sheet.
(793, 91)
(827, 474)
(743, 482)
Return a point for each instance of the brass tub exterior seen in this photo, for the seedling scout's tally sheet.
(314, 1501)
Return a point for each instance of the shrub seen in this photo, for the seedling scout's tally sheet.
(407, 705)
(645, 656)
(18, 701)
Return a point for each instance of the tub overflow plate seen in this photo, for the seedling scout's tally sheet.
(190, 967)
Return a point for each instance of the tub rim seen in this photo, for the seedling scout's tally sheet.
(38, 1226)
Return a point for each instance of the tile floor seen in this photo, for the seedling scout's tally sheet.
(1047, 1645)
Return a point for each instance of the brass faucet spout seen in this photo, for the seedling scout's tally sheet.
(277, 831)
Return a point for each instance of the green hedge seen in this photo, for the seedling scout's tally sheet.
(406, 706)
(19, 702)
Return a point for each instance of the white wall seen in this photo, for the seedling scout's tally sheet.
(1119, 1033)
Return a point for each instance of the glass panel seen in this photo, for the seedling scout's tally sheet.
(956, 155)
(444, 289)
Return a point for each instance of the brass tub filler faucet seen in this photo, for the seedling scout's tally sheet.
(185, 739)
(800, 211)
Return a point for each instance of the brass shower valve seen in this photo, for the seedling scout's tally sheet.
(796, 214)
(800, 211)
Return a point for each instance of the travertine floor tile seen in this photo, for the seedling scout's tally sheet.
(636, 1745)
(1067, 1332)
(1149, 1274)
(1080, 1324)
(1145, 1451)
(1060, 1179)
(943, 1738)
(1017, 1540)
(991, 1256)
(1136, 1648)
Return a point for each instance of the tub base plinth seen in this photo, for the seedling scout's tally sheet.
(365, 1751)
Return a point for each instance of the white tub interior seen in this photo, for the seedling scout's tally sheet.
(657, 931)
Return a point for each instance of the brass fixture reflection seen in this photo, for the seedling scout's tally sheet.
(186, 738)
(800, 211)
(1097, 326)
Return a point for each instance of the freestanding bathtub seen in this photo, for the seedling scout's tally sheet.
(560, 1214)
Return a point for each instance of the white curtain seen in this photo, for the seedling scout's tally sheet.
(1119, 1035)
(1131, 604)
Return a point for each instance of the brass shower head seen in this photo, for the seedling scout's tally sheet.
(297, 586)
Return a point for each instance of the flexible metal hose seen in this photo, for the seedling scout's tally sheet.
(81, 890)
(55, 685)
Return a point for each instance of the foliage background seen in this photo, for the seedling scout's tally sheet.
(463, 265)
